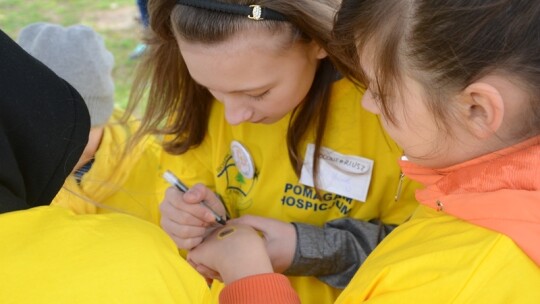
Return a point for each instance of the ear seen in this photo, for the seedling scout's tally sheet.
(483, 109)
(319, 51)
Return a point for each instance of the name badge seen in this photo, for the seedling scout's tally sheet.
(346, 175)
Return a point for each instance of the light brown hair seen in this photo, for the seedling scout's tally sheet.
(173, 96)
(444, 44)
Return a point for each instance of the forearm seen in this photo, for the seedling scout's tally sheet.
(334, 252)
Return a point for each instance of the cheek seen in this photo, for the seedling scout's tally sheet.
(395, 133)
(216, 95)
(280, 106)
(298, 78)
(288, 97)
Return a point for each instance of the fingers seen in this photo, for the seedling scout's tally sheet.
(184, 236)
(183, 222)
(177, 209)
(199, 193)
(208, 273)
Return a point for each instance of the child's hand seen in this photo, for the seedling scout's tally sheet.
(280, 239)
(233, 251)
(184, 219)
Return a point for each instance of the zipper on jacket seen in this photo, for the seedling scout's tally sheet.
(400, 185)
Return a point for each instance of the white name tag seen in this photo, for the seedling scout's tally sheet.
(346, 175)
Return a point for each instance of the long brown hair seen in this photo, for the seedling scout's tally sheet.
(175, 98)
(446, 45)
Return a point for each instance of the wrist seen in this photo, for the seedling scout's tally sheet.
(308, 249)
(283, 252)
(253, 265)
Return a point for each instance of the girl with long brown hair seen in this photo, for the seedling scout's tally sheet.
(456, 84)
(253, 109)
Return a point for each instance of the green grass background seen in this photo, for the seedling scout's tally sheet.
(116, 21)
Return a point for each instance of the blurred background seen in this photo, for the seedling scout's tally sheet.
(117, 21)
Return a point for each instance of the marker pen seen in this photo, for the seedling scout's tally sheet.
(173, 180)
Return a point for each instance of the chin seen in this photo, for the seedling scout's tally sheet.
(264, 121)
(268, 120)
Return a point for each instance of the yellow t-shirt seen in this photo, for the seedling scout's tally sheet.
(51, 255)
(276, 192)
(437, 258)
(118, 183)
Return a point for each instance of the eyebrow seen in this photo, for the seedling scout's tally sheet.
(250, 89)
(265, 87)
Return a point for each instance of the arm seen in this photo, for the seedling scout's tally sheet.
(334, 252)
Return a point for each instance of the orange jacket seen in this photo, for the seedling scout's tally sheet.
(499, 191)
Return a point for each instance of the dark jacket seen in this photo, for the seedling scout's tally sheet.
(44, 127)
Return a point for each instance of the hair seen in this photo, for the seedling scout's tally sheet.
(445, 45)
(180, 107)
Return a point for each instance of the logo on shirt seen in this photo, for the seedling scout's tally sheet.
(237, 186)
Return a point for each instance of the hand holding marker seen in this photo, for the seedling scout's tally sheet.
(173, 180)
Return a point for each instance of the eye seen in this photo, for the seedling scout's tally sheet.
(260, 96)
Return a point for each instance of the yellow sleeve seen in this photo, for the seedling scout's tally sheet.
(193, 166)
(70, 197)
(437, 258)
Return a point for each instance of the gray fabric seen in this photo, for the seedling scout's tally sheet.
(334, 252)
(78, 54)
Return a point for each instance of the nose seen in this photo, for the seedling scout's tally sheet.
(369, 103)
(236, 112)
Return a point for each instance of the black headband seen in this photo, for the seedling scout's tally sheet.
(254, 12)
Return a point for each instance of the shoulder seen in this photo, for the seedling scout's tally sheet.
(346, 89)
(435, 251)
(436, 237)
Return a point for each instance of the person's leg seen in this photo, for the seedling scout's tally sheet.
(143, 11)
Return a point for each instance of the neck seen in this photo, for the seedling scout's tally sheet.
(94, 140)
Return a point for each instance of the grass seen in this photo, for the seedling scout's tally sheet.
(114, 20)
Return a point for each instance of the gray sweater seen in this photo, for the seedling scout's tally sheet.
(333, 253)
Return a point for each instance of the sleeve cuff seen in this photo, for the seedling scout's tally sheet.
(268, 288)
